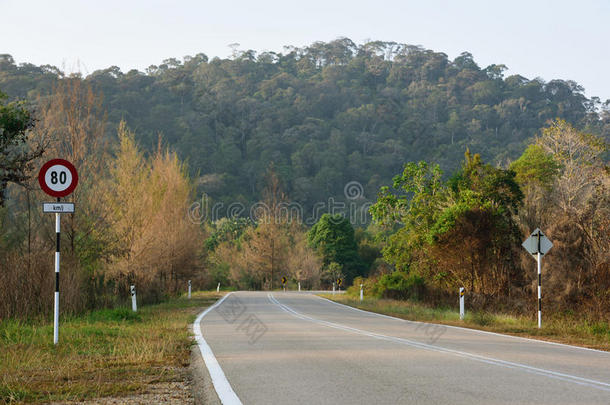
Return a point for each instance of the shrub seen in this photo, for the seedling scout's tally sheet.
(400, 285)
(369, 286)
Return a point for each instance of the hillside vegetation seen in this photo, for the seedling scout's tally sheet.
(325, 114)
(445, 167)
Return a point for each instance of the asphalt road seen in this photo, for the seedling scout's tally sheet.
(285, 348)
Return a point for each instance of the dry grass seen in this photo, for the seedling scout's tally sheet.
(564, 328)
(104, 353)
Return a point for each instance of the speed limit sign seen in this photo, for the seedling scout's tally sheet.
(58, 178)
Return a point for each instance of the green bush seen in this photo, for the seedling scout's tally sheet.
(400, 285)
(600, 328)
(482, 318)
(368, 284)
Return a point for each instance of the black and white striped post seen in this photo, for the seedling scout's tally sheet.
(56, 307)
(539, 260)
(538, 245)
(58, 178)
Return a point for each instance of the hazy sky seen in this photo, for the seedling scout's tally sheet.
(553, 39)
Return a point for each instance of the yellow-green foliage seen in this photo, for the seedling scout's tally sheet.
(154, 238)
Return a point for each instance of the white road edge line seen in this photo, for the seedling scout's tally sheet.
(225, 393)
(489, 360)
(466, 329)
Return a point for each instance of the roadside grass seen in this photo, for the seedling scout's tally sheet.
(564, 328)
(110, 352)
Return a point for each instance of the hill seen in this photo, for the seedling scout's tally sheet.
(325, 114)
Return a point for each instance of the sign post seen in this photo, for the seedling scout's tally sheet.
(284, 279)
(461, 303)
(539, 265)
(189, 289)
(339, 281)
(538, 245)
(58, 178)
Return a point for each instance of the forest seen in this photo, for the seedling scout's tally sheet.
(325, 114)
(456, 164)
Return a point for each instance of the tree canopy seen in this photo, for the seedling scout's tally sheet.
(16, 155)
(460, 231)
(333, 237)
(325, 114)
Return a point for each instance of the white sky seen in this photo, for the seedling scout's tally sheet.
(553, 39)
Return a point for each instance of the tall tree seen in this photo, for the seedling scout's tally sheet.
(17, 155)
(333, 237)
(460, 232)
(572, 206)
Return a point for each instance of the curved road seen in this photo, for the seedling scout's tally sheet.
(283, 348)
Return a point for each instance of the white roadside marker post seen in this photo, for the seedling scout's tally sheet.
(218, 288)
(299, 286)
(57, 178)
(538, 245)
(361, 293)
(134, 304)
(333, 288)
(189, 289)
(461, 303)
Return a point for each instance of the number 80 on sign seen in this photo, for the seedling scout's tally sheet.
(58, 178)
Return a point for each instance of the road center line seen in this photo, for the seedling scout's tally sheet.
(225, 393)
(488, 360)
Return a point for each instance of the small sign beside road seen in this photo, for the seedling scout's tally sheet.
(537, 243)
(58, 207)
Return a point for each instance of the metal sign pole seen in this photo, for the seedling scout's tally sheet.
(539, 263)
(539, 291)
(538, 245)
(56, 312)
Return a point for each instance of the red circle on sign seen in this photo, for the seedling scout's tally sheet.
(43, 172)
